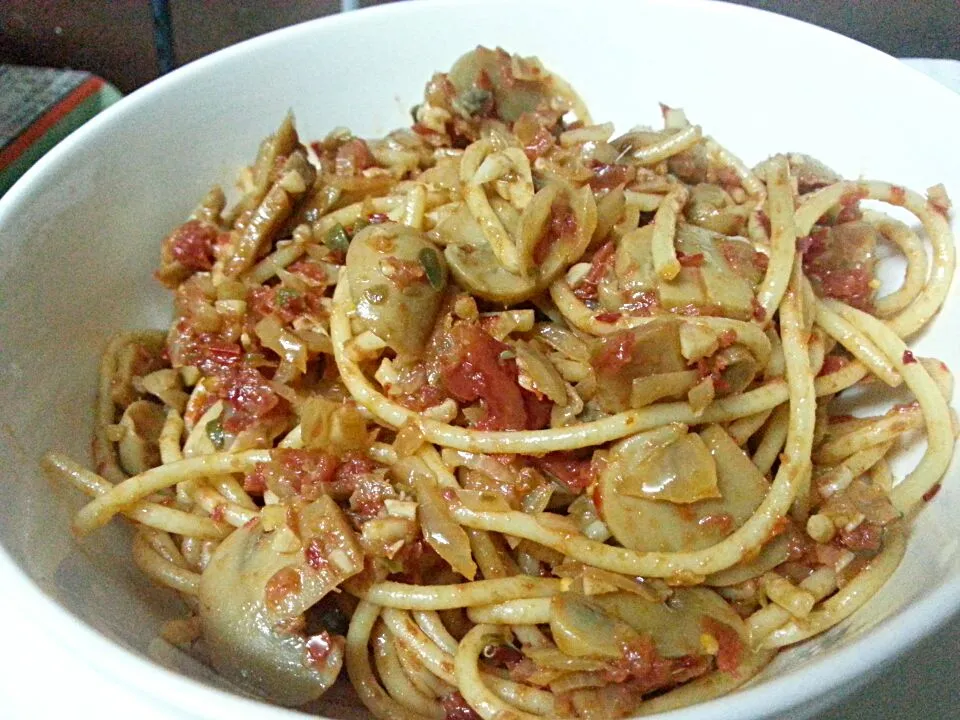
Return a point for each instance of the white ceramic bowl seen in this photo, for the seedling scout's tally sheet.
(79, 238)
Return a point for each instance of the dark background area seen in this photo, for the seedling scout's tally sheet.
(115, 38)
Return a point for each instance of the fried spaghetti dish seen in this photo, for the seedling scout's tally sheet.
(518, 418)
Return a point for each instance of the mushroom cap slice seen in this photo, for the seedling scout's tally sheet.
(253, 591)
(656, 525)
(397, 278)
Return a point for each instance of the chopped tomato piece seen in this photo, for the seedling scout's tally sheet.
(480, 370)
(192, 245)
(573, 472)
(731, 646)
(586, 289)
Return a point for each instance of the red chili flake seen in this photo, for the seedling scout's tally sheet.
(353, 157)
(866, 536)
(255, 482)
(908, 358)
(598, 499)
(282, 302)
(685, 260)
(455, 707)
(727, 338)
(641, 304)
(779, 527)
(607, 176)
(898, 195)
(308, 270)
(608, 317)
(759, 313)
(539, 145)
(848, 213)
(378, 218)
(352, 469)
(722, 522)
(728, 178)
(764, 222)
(761, 261)
(586, 289)
(502, 655)
(931, 493)
(615, 353)
(814, 244)
(428, 133)
(313, 553)
(651, 671)
(250, 398)
(562, 225)
(404, 273)
(831, 364)
(320, 646)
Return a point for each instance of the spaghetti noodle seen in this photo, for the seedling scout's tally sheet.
(518, 419)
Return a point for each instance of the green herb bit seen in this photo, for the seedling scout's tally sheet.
(215, 432)
(507, 355)
(337, 239)
(285, 296)
(359, 225)
(377, 294)
(471, 102)
(431, 266)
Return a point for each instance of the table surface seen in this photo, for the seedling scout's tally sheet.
(920, 685)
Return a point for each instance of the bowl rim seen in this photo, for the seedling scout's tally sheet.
(821, 675)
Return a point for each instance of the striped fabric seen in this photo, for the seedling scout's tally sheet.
(38, 108)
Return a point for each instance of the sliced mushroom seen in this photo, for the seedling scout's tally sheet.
(139, 448)
(397, 279)
(515, 85)
(474, 264)
(772, 554)
(649, 349)
(652, 525)
(711, 207)
(604, 625)
(706, 284)
(582, 628)
(676, 625)
(740, 367)
(681, 472)
(810, 173)
(254, 592)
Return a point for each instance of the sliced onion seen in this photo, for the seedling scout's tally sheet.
(538, 374)
(334, 427)
(284, 343)
(439, 528)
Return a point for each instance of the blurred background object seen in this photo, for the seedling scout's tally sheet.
(116, 40)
